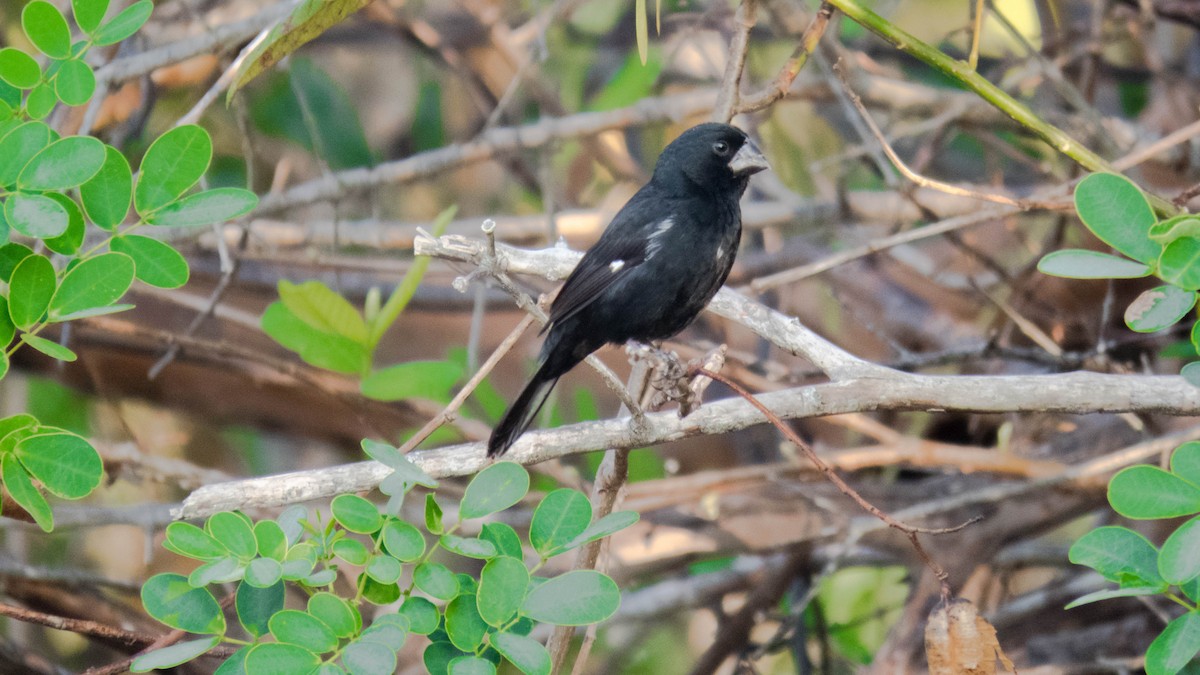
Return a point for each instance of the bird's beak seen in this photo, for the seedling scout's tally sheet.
(748, 160)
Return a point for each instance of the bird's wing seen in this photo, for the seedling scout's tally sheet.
(628, 242)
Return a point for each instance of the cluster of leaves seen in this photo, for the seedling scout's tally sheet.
(55, 191)
(1127, 558)
(471, 622)
(1118, 213)
(327, 331)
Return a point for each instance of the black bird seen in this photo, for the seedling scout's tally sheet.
(659, 262)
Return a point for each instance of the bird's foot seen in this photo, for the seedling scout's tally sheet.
(669, 376)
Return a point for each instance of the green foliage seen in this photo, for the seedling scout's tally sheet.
(327, 331)
(1138, 568)
(53, 189)
(472, 621)
(1120, 215)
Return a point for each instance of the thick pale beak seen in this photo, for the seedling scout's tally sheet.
(748, 160)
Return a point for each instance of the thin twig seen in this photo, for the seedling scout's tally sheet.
(910, 531)
(731, 81)
(792, 67)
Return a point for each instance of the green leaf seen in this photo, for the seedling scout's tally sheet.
(356, 514)
(1167, 231)
(315, 347)
(433, 515)
(403, 541)
(107, 195)
(432, 380)
(437, 657)
(255, 606)
(89, 13)
(1117, 212)
(504, 538)
(155, 263)
(1179, 558)
(172, 164)
(205, 208)
(188, 540)
(1119, 554)
(232, 530)
(36, 215)
(1144, 492)
(19, 69)
(277, 658)
(561, 516)
(47, 29)
(263, 572)
(608, 525)
(219, 571)
(1175, 646)
(67, 465)
(1185, 462)
(94, 311)
(171, 600)
(1158, 308)
(496, 488)
(65, 163)
(334, 612)
(95, 282)
(436, 580)
(594, 598)
(1075, 263)
(301, 628)
(75, 82)
(10, 256)
(41, 101)
(379, 593)
(470, 665)
(384, 569)
(319, 306)
(352, 551)
(502, 586)
(236, 664)
(48, 347)
(525, 653)
(464, 626)
(389, 630)
(19, 146)
(272, 542)
(68, 242)
(389, 455)
(468, 546)
(7, 329)
(30, 290)
(368, 658)
(423, 616)
(1111, 593)
(124, 24)
(1180, 263)
(310, 19)
(174, 655)
(20, 487)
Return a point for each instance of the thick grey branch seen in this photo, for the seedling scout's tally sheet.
(1081, 392)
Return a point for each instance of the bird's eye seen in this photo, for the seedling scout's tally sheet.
(721, 148)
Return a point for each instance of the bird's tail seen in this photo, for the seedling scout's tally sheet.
(521, 413)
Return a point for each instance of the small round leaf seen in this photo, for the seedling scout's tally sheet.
(75, 82)
(1083, 264)
(278, 658)
(174, 655)
(19, 69)
(593, 598)
(496, 488)
(561, 516)
(155, 262)
(525, 653)
(502, 586)
(172, 164)
(95, 282)
(107, 195)
(1146, 492)
(206, 208)
(47, 29)
(124, 24)
(255, 606)
(1117, 212)
(423, 616)
(335, 613)
(1158, 308)
(1179, 559)
(363, 657)
(171, 600)
(403, 541)
(301, 628)
(36, 215)
(65, 163)
(464, 626)
(30, 289)
(67, 465)
(356, 514)
(436, 580)
(1176, 645)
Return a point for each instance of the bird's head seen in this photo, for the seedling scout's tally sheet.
(713, 157)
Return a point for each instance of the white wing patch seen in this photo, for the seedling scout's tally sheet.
(656, 236)
(720, 252)
(615, 266)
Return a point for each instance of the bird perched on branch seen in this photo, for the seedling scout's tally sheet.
(659, 262)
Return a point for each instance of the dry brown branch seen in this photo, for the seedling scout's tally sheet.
(735, 61)
(792, 67)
